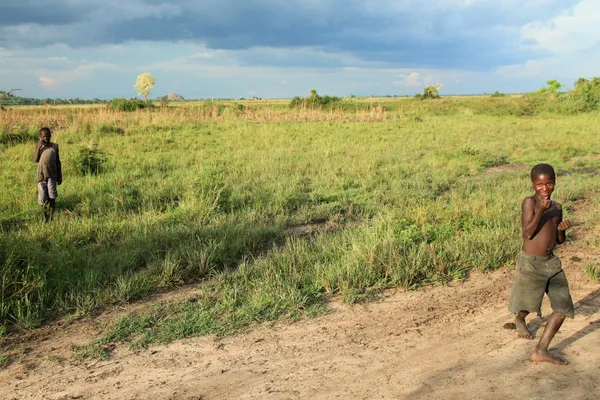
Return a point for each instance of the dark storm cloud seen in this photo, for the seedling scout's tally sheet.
(477, 34)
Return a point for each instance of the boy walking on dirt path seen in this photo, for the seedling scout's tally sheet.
(539, 271)
(49, 172)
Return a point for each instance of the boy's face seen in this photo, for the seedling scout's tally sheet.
(45, 137)
(543, 185)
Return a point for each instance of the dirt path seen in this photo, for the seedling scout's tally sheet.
(438, 343)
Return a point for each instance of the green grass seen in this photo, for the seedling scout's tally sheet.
(4, 361)
(409, 201)
(592, 272)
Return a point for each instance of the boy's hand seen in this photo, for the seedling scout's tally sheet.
(543, 205)
(564, 225)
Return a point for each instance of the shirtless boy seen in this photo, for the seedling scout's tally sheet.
(539, 271)
(49, 173)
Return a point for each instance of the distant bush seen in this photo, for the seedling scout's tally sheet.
(431, 92)
(89, 160)
(314, 100)
(129, 104)
(553, 87)
(586, 95)
(498, 94)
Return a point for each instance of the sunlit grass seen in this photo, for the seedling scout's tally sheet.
(408, 201)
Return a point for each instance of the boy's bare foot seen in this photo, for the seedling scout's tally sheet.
(522, 329)
(545, 356)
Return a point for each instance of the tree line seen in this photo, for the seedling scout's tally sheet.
(9, 99)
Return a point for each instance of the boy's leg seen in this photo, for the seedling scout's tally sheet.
(562, 305)
(522, 325)
(52, 207)
(527, 292)
(43, 199)
(52, 195)
(541, 352)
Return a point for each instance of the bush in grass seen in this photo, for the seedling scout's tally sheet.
(129, 104)
(586, 95)
(314, 100)
(431, 91)
(89, 160)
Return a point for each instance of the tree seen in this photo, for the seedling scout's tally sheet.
(554, 87)
(581, 82)
(6, 94)
(144, 84)
(432, 91)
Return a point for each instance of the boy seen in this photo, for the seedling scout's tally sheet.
(49, 173)
(538, 269)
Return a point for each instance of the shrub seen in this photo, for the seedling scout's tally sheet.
(314, 100)
(586, 95)
(431, 91)
(89, 160)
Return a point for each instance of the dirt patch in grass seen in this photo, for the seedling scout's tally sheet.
(505, 168)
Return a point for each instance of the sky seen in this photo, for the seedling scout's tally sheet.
(284, 48)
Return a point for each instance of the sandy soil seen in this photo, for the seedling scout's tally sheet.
(444, 342)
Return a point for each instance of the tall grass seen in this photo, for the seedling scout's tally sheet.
(187, 195)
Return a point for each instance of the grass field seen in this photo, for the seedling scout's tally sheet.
(275, 209)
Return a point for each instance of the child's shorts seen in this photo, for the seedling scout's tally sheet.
(46, 190)
(537, 275)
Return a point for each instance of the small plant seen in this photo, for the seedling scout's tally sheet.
(4, 361)
(91, 351)
(592, 272)
(3, 331)
(57, 359)
(90, 160)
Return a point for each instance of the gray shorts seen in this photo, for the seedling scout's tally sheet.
(46, 191)
(537, 275)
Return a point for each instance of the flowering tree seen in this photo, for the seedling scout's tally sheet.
(432, 91)
(143, 85)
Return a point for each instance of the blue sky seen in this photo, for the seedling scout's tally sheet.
(284, 48)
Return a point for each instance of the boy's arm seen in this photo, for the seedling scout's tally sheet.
(58, 167)
(36, 155)
(531, 215)
(561, 232)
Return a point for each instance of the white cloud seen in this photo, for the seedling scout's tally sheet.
(412, 79)
(576, 30)
(48, 83)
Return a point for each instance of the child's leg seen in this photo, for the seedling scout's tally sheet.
(43, 198)
(52, 207)
(522, 325)
(562, 305)
(541, 350)
(52, 194)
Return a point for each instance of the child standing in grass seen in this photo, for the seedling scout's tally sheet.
(49, 172)
(539, 271)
